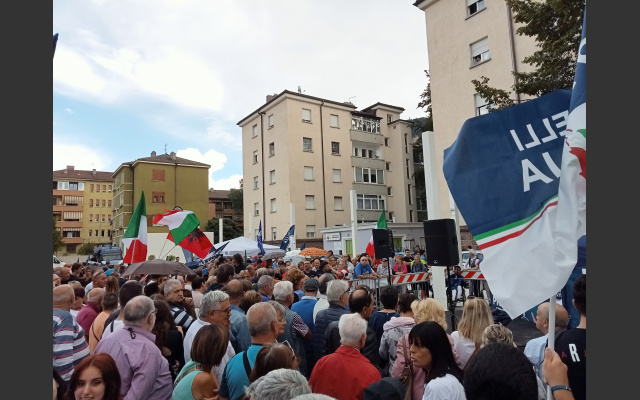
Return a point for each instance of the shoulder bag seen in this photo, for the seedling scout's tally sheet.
(407, 372)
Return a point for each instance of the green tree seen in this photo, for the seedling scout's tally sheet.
(235, 195)
(230, 229)
(556, 26)
(57, 237)
(425, 101)
(86, 249)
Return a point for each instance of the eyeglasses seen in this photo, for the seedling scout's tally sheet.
(227, 311)
(293, 353)
(155, 311)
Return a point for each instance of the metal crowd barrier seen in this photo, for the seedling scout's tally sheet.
(401, 281)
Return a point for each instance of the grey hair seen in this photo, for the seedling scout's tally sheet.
(282, 290)
(169, 285)
(314, 396)
(335, 289)
(280, 309)
(351, 327)
(211, 301)
(323, 281)
(261, 271)
(137, 310)
(261, 325)
(264, 281)
(278, 384)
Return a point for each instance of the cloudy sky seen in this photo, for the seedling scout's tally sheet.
(131, 77)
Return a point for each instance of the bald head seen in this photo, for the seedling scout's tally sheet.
(95, 295)
(542, 319)
(63, 297)
(235, 289)
(260, 317)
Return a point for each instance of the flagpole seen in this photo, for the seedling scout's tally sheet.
(551, 336)
(354, 221)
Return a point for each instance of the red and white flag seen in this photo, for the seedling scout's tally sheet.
(135, 236)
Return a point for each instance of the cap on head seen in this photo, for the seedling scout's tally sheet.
(311, 285)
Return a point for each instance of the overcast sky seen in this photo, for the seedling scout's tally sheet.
(131, 77)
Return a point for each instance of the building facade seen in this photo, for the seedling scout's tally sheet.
(220, 206)
(467, 39)
(82, 206)
(303, 155)
(167, 181)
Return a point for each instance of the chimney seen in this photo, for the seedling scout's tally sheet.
(153, 154)
(94, 171)
(271, 97)
(173, 155)
(70, 167)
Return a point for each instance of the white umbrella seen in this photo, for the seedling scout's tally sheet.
(293, 256)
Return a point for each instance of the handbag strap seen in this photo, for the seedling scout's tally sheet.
(407, 360)
(197, 367)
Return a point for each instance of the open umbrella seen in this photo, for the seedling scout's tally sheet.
(274, 254)
(293, 256)
(159, 267)
(313, 252)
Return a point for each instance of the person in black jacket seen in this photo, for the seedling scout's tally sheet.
(338, 298)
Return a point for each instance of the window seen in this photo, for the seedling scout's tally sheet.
(388, 166)
(335, 147)
(386, 142)
(272, 149)
(63, 185)
(109, 203)
(337, 203)
(369, 175)
(406, 145)
(308, 173)
(90, 232)
(103, 219)
(90, 217)
(474, 6)
(389, 191)
(306, 115)
(337, 175)
(254, 130)
(255, 156)
(482, 107)
(364, 153)
(271, 121)
(274, 234)
(311, 231)
(273, 205)
(370, 153)
(256, 184)
(370, 201)
(407, 165)
(102, 233)
(90, 202)
(389, 118)
(355, 151)
(272, 177)
(480, 52)
(157, 175)
(91, 188)
(409, 194)
(104, 203)
(307, 144)
(334, 121)
(110, 188)
(256, 207)
(391, 217)
(309, 202)
(158, 197)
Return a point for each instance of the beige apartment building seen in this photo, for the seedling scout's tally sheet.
(311, 152)
(467, 39)
(82, 206)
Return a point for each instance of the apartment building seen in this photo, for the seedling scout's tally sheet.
(311, 152)
(467, 39)
(220, 206)
(167, 181)
(82, 206)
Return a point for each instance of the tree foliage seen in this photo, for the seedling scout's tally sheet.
(57, 237)
(235, 195)
(230, 229)
(556, 26)
(425, 97)
(86, 249)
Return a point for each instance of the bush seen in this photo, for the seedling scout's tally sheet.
(151, 257)
(86, 249)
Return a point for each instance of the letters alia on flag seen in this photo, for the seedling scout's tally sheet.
(181, 223)
(503, 172)
(260, 239)
(286, 239)
(382, 224)
(135, 236)
(196, 242)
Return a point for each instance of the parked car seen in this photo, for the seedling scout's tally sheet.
(57, 262)
(465, 257)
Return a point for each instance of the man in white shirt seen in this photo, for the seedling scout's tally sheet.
(322, 302)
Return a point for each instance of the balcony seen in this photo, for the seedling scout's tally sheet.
(366, 137)
(375, 163)
(72, 240)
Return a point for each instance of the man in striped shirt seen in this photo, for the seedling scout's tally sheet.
(69, 344)
(174, 295)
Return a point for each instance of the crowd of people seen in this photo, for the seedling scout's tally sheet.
(268, 329)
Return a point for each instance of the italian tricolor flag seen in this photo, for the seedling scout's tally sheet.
(180, 222)
(135, 236)
(382, 224)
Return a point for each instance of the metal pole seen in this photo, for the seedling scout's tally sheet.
(354, 221)
(220, 230)
(292, 218)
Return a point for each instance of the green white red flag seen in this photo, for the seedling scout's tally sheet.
(180, 222)
(381, 224)
(135, 236)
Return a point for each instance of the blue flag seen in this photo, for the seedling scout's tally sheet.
(304, 244)
(260, 238)
(287, 239)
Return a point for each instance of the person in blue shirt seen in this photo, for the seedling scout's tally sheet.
(363, 269)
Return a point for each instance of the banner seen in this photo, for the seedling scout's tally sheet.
(260, 239)
(287, 238)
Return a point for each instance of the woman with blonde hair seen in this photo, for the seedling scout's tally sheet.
(427, 309)
(113, 286)
(297, 278)
(476, 316)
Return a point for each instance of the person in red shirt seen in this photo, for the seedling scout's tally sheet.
(346, 364)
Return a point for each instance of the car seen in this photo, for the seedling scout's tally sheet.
(465, 257)
(57, 262)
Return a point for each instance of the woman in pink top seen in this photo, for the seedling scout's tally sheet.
(399, 267)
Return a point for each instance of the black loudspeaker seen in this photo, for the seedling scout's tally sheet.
(383, 243)
(441, 242)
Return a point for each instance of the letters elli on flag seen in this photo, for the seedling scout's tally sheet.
(260, 238)
(135, 236)
(287, 239)
(503, 172)
(382, 224)
(196, 242)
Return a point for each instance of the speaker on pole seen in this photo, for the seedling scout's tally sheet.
(383, 243)
(441, 242)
